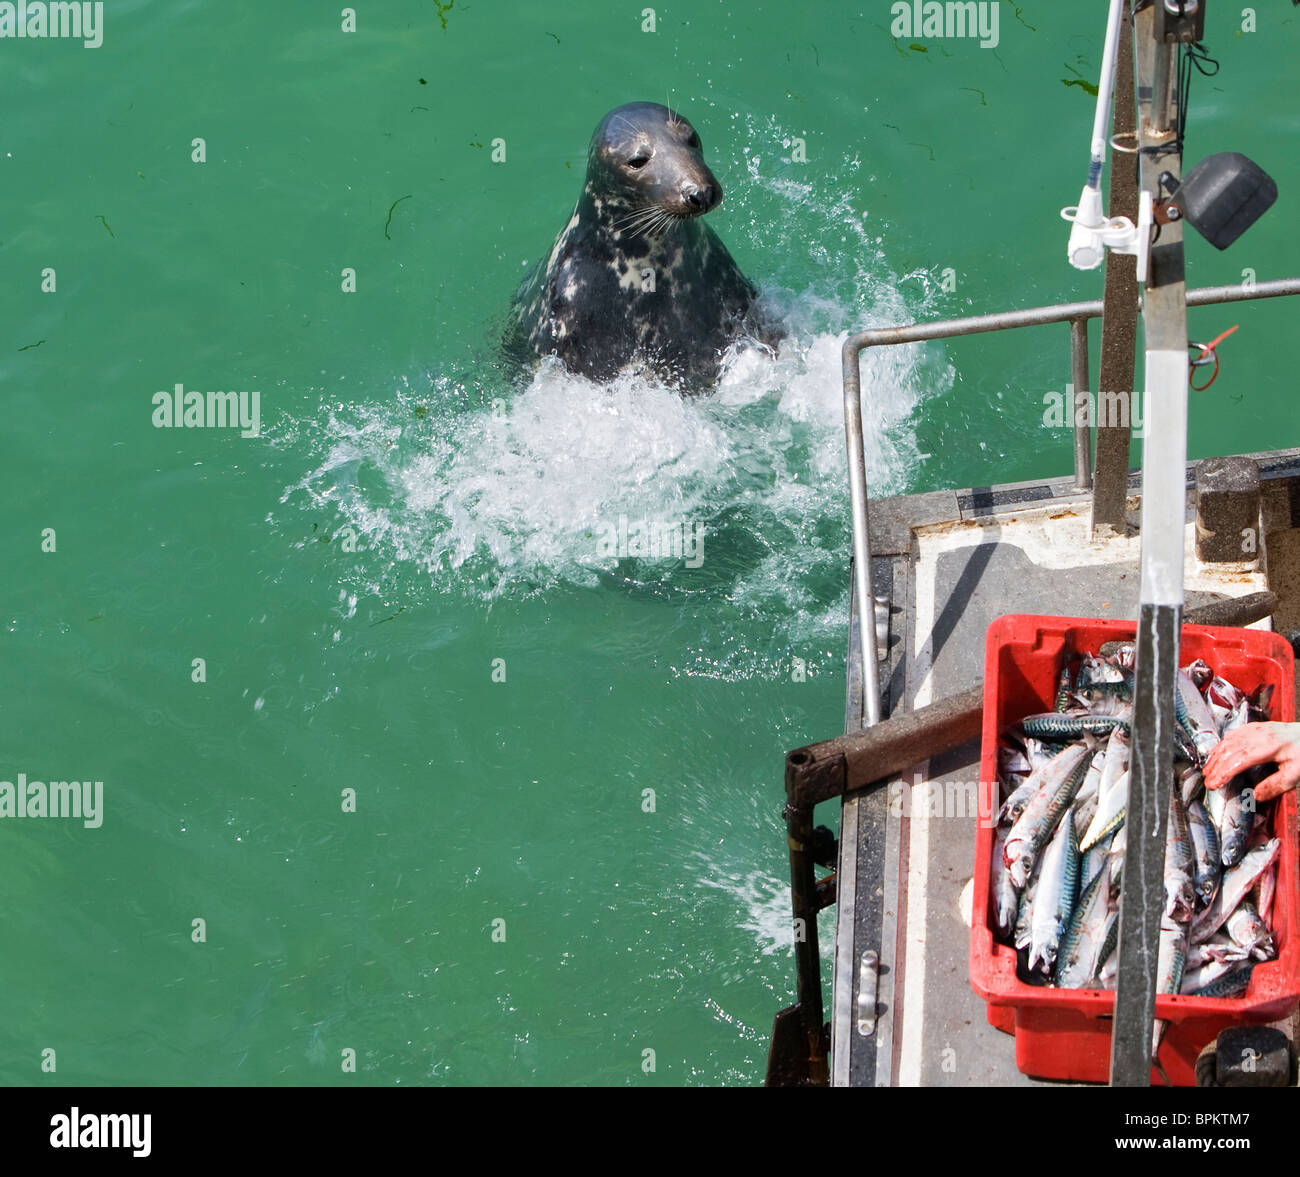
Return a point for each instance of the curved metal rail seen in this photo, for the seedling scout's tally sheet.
(1077, 314)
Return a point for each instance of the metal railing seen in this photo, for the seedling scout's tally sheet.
(1077, 314)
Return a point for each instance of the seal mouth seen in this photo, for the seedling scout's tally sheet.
(652, 220)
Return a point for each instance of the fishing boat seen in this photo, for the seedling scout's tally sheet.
(1172, 543)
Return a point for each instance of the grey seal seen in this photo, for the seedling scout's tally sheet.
(636, 276)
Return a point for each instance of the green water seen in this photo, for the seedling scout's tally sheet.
(407, 528)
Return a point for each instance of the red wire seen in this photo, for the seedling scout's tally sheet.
(1213, 375)
(1207, 350)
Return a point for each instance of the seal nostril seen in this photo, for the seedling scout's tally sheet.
(701, 198)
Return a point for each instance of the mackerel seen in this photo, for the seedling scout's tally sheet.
(1193, 712)
(1057, 891)
(1006, 901)
(1248, 930)
(1014, 805)
(1233, 888)
(1064, 687)
(1222, 698)
(1094, 862)
(1265, 889)
(1107, 962)
(1170, 959)
(1059, 727)
(1111, 808)
(1035, 826)
(1230, 984)
(1220, 946)
(1180, 894)
(1197, 977)
(1076, 962)
(1237, 820)
(1208, 869)
(1025, 913)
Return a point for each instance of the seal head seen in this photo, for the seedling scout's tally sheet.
(636, 275)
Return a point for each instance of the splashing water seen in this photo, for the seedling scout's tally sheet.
(492, 491)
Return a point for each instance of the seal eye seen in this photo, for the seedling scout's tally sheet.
(639, 160)
(693, 141)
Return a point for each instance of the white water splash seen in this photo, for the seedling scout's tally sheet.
(487, 491)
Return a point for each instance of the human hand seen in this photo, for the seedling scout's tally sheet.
(1257, 743)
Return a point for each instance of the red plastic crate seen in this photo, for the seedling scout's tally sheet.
(1065, 1033)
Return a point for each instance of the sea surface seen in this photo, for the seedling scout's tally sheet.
(406, 777)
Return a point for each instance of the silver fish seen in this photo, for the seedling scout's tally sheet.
(1095, 861)
(1012, 761)
(1222, 698)
(1107, 957)
(1194, 714)
(1111, 808)
(1094, 670)
(1118, 848)
(1006, 900)
(1220, 947)
(1091, 778)
(1197, 976)
(1233, 888)
(1118, 746)
(1057, 890)
(1076, 962)
(1126, 655)
(1208, 868)
(1083, 810)
(1060, 781)
(1180, 894)
(1265, 889)
(1249, 931)
(1238, 718)
(1237, 820)
(1025, 913)
(1015, 804)
(1038, 753)
(1064, 686)
(1229, 984)
(1170, 959)
(1073, 725)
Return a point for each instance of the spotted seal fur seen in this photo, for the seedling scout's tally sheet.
(636, 276)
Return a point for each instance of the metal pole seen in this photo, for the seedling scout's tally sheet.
(1164, 460)
(804, 900)
(861, 533)
(1082, 418)
(1119, 319)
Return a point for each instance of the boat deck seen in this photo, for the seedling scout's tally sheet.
(949, 564)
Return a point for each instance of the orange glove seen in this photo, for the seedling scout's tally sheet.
(1257, 743)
